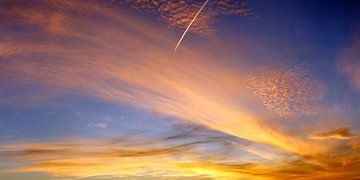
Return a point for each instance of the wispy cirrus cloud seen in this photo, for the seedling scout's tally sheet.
(97, 125)
(178, 154)
(10, 49)
(349, 61)
(104, 62)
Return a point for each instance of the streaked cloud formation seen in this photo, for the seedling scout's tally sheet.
(95, 52)
(181, 153)
(105, 63)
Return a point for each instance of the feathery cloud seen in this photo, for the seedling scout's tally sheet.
(350, 62)
(118, 65)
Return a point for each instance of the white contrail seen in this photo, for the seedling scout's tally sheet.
(192, 21)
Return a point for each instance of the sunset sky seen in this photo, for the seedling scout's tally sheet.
(258, 89)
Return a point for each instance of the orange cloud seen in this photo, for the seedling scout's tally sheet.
(123, 157)
(165, 157)
(341, 133)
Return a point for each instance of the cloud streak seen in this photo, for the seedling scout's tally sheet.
(341, 133)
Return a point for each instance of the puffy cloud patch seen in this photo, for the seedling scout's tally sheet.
(287, 92)
(179, 13)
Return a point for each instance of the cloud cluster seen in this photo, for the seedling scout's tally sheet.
(287, 92)
(179, 13)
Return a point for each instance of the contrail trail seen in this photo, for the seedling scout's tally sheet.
(192, 21)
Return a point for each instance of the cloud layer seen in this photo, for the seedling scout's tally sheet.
(105, 62)
(179, 13)
(76, 48)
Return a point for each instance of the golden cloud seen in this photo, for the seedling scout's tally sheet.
(340, 133)
(177, 154)
(157, 158)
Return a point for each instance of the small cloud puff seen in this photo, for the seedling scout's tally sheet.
(97, 125)
(340, 133)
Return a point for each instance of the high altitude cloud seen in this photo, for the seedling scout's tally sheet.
(350, 62)
(341, 133)
(107, 55)
(132, 66)
(179, 13)
(287, 92)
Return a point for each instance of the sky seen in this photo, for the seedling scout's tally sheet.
(257, 89)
